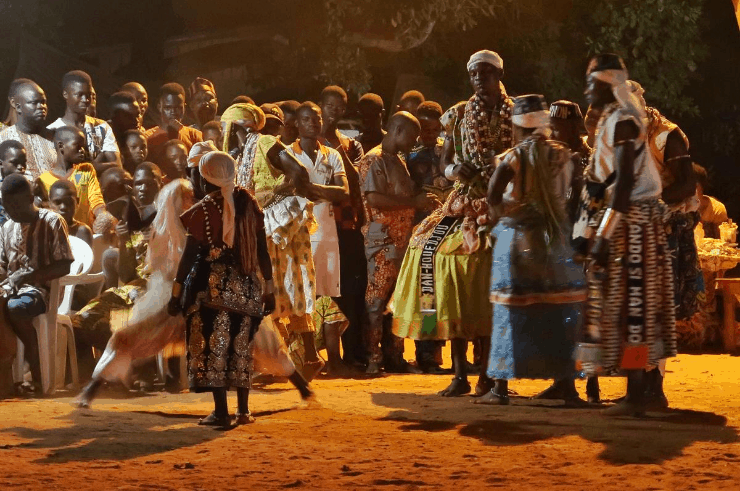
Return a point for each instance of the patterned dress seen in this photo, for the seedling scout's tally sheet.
(461, 263)
(537, 290)
(227, 307)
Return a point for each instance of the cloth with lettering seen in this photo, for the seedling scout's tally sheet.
(638, 280)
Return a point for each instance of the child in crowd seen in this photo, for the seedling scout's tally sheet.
(134, 150)
(63, 200)
(175, 162)
(12, 161)
(69, 143)
(212, 132)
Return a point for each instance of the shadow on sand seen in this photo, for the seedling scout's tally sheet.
(657, 438)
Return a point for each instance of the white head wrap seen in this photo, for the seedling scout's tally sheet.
(486, 56)
(623, 91)
(198, 151)
(219, 169)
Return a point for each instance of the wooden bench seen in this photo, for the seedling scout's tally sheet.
(730, 288)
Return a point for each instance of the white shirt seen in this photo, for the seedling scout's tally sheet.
(324, 242)
(98, 135)
(647, 178)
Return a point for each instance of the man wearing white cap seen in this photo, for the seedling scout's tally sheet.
(441, 290)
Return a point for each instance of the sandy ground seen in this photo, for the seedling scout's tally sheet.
(390, 433)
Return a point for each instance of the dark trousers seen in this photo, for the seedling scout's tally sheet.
(22, 309)
(353, 282)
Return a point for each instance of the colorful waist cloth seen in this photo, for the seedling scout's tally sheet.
(630, 311)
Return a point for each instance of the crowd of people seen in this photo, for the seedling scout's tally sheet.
(560, 245)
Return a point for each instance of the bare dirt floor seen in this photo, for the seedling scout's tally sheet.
(388, 433)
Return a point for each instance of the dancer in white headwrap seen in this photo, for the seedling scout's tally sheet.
(630, 311)
(149, 329)
(224, 287)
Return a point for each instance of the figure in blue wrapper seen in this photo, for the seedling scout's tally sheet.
(537, 290)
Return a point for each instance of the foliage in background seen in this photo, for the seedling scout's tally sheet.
(550, 40)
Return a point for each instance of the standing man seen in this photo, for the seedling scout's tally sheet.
(288, 132)
(100, 141)
(372, 113)
(442, 291)
(410, 101)
(630, 263)
(124, 115)
(328, 187)
(142, 98)
(391, 202)
(171, 107)
(28, 101)
(350, 217)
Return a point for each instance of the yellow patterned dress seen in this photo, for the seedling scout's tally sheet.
(289, 222)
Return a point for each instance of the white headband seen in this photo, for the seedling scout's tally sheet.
(199, 150)
(486, 56)
(625, 91)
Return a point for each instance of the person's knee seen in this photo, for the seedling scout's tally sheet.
(24, 308)
(109, 260)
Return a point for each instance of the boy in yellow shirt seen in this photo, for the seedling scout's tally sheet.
(69, 143)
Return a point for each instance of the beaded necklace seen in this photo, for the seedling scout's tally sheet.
(208, 198)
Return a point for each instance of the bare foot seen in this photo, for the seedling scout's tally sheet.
(243, 419)
(458, 387)
(483, 386)
(492, 399)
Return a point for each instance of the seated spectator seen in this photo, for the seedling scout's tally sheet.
(12, 161)
(93, 323)
(115, 184)
(69, 142)
(712, 212)
(171, 108)
(175, 161)
(134, 150)
(63, 200)
(27, 267)
(212, 132)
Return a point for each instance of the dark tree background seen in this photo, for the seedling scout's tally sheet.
(686, 53)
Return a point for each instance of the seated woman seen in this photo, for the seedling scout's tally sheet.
(712, 212)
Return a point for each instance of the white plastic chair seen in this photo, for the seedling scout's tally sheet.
(52, 352)
(83, 255)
